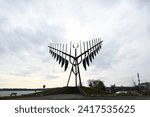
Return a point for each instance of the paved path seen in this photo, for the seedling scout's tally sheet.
(57, 97)
(81, 97)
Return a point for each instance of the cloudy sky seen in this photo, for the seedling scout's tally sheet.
(28, 26)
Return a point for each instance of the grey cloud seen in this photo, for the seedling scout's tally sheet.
(27, 28)
(106, 56)
(141, 3)
(18, 40)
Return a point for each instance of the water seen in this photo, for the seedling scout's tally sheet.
(7, 93)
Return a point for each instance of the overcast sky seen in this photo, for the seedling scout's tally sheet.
(28, 26)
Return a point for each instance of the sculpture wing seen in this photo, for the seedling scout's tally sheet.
(84, 64)
(91, 53)
(66, 64)
(57, 54)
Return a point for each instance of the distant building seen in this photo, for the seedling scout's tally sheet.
(121, 88)
(145, 85)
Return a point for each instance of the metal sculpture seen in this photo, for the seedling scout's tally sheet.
(59, 52)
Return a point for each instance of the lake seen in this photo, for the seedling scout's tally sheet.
(19, 92)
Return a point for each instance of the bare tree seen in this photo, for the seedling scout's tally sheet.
(97, 85)
(113, 88)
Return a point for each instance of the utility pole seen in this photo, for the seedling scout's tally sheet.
(138, 76)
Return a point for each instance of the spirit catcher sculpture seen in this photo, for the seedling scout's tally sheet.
(59, 52)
